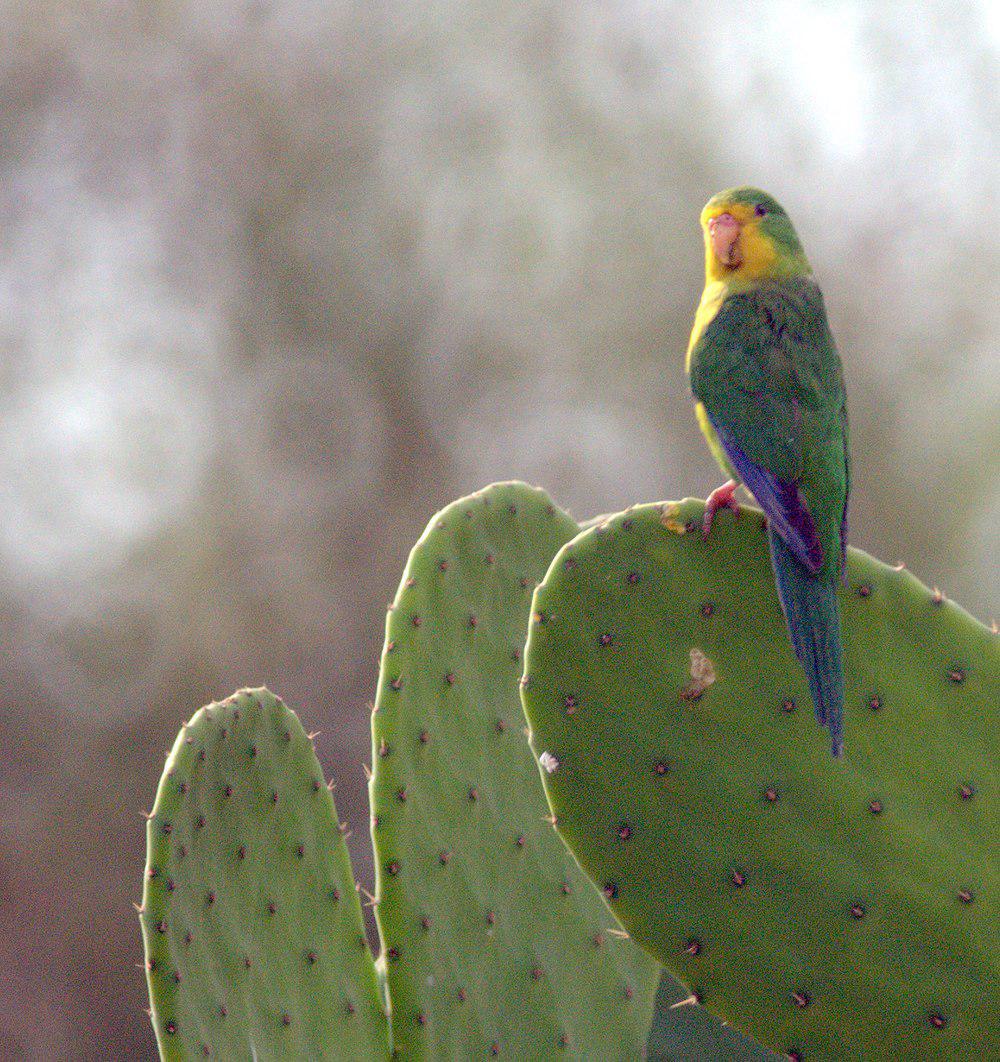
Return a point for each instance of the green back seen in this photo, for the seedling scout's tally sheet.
(766, 368)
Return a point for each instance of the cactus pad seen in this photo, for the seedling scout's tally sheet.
(254, 942)
(831, 909)
(495, 943)
(684, 1032)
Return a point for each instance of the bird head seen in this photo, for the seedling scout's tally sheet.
(748, 236)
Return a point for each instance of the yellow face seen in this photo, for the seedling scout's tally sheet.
(748, 237)
(735, 246)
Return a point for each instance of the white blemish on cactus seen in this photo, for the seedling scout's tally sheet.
(668, 517)
(549, 762)
(702, 676)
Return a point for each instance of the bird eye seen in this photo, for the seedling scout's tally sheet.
(760, 210)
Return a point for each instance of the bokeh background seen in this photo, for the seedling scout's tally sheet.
(279, 278)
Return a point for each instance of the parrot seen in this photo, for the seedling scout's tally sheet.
(770, 400)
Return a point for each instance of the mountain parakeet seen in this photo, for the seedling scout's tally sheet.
(770, 400)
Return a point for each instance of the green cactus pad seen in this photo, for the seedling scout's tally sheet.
(831, 909)
(255, 947)
(681, 1031)
(495, 942)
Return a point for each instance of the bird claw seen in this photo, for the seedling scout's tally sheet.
(720, 498)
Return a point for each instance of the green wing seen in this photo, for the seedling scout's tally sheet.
(767, 372)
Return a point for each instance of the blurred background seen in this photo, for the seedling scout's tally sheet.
(279, 278)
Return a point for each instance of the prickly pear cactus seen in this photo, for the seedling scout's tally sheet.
(254, 942)
(495, 943)
(682, 1031)
(832, 909)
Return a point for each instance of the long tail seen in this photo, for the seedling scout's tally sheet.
(813, 617)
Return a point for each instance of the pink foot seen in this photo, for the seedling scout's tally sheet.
(720, 498)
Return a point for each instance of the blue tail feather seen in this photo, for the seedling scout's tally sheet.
(813, 617)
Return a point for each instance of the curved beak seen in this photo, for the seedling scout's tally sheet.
(723, 235)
